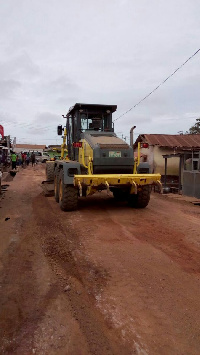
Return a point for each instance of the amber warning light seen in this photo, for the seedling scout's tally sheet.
(77, 144)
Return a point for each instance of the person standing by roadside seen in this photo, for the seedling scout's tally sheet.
(33, 158)
(14, 160)
(22, 159)
(27, 159)
(19, 159)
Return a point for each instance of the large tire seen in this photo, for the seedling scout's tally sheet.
(68, 195)
(142, 198)
(50, 170)
(56, 185)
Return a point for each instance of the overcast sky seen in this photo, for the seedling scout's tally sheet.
(54, 53)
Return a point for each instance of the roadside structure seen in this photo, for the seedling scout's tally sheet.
(189, 172)
(5, 149)
(55, 151)
(29, 147)
(181, 164)
(191, 175)
(166, 144)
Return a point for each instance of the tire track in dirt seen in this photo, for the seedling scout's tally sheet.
(146, 280)
(61, 245)
(131, 277)
(168, 237)
(23, 300)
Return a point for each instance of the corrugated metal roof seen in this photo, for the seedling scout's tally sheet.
(170, 140)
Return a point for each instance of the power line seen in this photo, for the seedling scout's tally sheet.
(27, 125)
(144, 98)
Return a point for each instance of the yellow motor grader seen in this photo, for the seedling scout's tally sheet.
(97, 160)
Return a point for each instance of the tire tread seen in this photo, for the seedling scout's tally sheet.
(141, 200)
(69, 200)
(50, 170)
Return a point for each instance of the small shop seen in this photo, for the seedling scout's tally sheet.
(189, 173)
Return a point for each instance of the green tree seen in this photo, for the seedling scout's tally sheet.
(196, 128)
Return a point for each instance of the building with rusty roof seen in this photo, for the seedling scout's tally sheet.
(175, 157)
(166, 144)
(182, 141)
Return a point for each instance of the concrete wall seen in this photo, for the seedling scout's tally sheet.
(157, 162)
(191, 184)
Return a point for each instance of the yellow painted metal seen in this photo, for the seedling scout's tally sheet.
(80, 188)
(93, 182)
(137, 160)
(139, 147)
(63, 145)
(90, 166)
(81, 157)
(85, 153)
(90, 190)
(85, 156)
(133, 188)
(117, 179)
(135, 166)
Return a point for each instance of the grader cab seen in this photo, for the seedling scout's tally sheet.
(97, 160)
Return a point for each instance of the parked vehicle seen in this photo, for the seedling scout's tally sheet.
(44, 157)
(40, 157)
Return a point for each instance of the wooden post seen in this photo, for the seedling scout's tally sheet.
(165, 181)
(179, 182)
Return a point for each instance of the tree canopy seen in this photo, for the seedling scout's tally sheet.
(196, 128)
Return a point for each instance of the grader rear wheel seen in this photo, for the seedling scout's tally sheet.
(68, 195)
(142, 198)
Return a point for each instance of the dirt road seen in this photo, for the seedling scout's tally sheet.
(106, 279)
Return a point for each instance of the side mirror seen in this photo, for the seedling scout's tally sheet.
(59, 130)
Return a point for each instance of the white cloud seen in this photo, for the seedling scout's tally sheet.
(55, 53)
(8, 88)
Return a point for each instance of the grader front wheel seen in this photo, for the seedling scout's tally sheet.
(68, 195)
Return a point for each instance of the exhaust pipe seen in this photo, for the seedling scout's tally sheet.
(131, 136)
